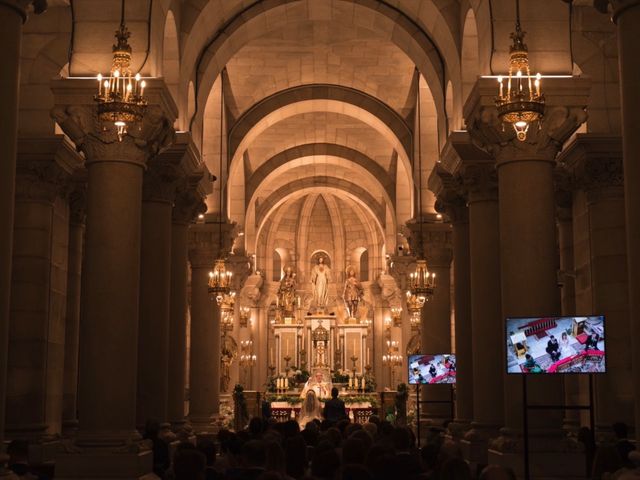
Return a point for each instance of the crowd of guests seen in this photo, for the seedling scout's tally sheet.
(267, 450)
(325, 450)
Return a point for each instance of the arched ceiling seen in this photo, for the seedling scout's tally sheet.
(320, 52)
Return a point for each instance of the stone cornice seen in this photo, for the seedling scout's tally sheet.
(204, 242)
(45, 167)
(451, 200)
(594, 164)
(431, 240)
(565, 111)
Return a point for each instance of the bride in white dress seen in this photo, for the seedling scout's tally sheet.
(310, 409)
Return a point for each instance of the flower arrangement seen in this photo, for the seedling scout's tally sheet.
(340, 376)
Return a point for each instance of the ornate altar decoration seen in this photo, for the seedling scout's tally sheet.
(320, 340)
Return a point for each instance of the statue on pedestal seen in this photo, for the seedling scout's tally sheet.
(287, 291)
(353, 293)
(320, 278)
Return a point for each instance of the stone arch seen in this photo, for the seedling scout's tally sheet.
(36, 97)
(171, 56)
(315, 150)
(338, 93)
(262, 17)
(470, 61)
(236, 170)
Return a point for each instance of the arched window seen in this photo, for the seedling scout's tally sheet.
(277, 266)
(364, 266)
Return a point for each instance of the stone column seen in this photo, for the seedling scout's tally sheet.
(435, 322)
(476, 170)
(566, 279)
(627, 17)
(110, 292)
(204, 374)
(527, 232)
(158, 193)
(77, 216)
(189, 203)
(12, 17)
(595, 162)
(38, 295)
(451, 203)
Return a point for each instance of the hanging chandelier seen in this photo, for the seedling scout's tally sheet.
(414, 305)
(220, 281)
(422, 283)
(120, 96)
(521, 103)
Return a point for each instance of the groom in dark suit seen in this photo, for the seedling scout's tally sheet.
(334, 409)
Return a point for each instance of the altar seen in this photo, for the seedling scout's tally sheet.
(320, 341)
(359, 407)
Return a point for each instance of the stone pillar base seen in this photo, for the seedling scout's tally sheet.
(542, 465)
(43, 452)
(203, 426)
(106, 465)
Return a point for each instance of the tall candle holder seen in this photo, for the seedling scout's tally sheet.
(287, 359)
(354, 359)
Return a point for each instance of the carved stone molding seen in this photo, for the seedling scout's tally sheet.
(144, 140)
(565, 111)
(188, 204)
(204, 242)
(44, 168)
(433, 241)
(593, 164)
(480, 181)
(160, 182)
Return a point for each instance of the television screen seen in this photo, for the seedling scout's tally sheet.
(431, 369)
(556, 344)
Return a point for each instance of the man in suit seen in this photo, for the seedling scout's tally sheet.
(553, 349)
(334, 409)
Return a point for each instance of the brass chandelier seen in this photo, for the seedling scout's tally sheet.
(521, 103)
(120, 96)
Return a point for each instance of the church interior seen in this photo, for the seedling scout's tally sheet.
(215, 214)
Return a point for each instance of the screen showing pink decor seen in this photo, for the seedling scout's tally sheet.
(432, 369)
(556, 344)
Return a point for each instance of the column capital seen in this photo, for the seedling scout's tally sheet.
(474, 168)
(160, 181)
(450, 196)
(45, 167)
(76, 113)
(433, 240)
(204, 242)
(565, 111)
(24, 7)
(594, 164)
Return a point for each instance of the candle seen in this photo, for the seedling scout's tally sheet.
(142, 85)
(354, 346)
(286, 352)
(286, 383)
(363, 383)
(350, 383)
(367, 355)
(278, 383)
(271, 355)
(500, 82)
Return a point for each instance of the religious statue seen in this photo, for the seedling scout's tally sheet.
(287, 290)
(353, 293)
(318, 383)
(320, 278)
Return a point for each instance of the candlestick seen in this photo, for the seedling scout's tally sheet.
(363, 384)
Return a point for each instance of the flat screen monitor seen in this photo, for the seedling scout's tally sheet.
(432, 369)
(556, 344)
